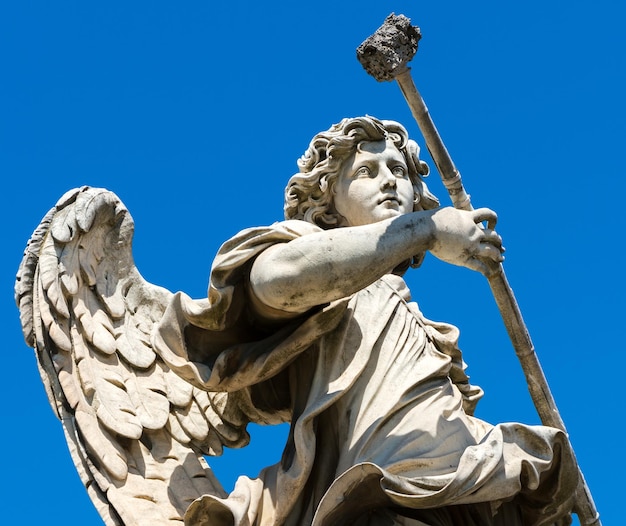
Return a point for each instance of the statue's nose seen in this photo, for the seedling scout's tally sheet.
(389, 179)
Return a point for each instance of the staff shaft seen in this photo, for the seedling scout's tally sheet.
(503, 294)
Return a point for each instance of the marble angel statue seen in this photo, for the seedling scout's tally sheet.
(306, 321)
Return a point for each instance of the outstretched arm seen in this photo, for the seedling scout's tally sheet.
(315, 269)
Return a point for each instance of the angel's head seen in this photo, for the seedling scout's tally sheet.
(323, 192)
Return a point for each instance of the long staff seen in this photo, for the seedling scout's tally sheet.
(385, 55)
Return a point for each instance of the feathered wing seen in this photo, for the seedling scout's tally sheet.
(137, 432)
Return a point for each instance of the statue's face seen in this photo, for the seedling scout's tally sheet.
(373, 185)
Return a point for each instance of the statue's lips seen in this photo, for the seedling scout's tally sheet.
(389, 199)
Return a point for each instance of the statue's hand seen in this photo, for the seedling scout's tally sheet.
(461, 239)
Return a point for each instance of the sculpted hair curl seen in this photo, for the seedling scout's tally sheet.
(309, 193)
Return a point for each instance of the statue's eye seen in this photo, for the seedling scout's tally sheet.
(398, 171)
(363, 171)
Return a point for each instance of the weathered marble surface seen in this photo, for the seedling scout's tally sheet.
(307, 321)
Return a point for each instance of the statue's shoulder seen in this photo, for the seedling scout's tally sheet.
(295, 227)
(259, 237)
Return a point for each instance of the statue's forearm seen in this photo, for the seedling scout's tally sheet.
(322, 267)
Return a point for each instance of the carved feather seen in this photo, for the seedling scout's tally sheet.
(179, 392)
(193, 421)
(49, 273)
(176, 430)
(226, 432)
(101, 445)
(64, 226)
(147, 496)
(68, 379)
(113, 404)
(96, 326)
(58, 329)
(25, 280)
(148, 394)
(134, 345)
(135, 429)
(69, 278)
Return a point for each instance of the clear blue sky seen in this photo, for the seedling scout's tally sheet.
(194, 113)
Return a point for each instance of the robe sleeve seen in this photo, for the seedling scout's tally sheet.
(214, 342)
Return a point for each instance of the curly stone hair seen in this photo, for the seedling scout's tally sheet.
(309, 193)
